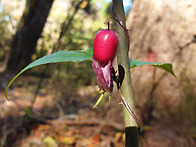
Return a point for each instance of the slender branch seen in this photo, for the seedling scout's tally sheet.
(129, 109)
(123, 61)
(125, 74)
(123, 26)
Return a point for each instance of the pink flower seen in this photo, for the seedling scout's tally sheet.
(103, 75)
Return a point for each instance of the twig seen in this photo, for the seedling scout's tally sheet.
(122, 25)
(129, 109)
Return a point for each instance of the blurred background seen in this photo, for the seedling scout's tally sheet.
(52, 105)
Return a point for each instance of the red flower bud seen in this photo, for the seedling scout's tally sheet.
(105, 46)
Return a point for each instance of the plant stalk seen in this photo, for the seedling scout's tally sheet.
(131, 129)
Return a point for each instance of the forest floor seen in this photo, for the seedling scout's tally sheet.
(59, 115)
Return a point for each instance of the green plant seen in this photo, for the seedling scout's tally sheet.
(123, 80)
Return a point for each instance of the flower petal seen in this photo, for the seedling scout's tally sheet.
(103, 75)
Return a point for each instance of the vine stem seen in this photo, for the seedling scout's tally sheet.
(122, 25)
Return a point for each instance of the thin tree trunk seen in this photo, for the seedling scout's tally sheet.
(29, 30)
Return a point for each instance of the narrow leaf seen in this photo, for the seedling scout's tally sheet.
(61, 56)
(165, 66)
(99, 100)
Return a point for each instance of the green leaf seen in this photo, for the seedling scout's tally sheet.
(99, 100)
(165, 66)
(61, 56)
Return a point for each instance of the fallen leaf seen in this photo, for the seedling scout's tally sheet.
(50, 142)
(118, 136)
(96, 138)
(68, 140)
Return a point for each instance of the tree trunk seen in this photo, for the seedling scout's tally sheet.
(29, 30)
